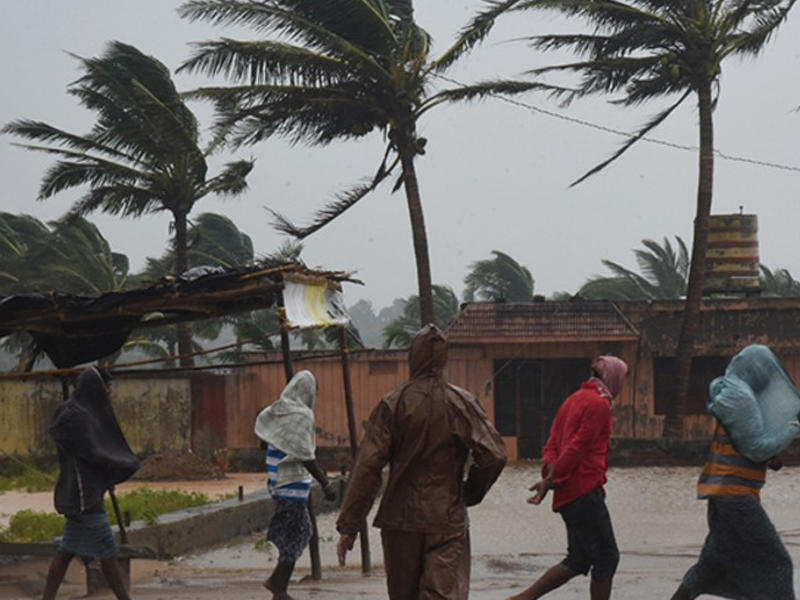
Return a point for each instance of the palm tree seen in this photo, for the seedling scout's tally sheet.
(400, 332)
(332, 70)
(18, 233)
(211, 240)
(71, 258)
(498, 278)
(648, 50)
(778, 283)
(78, 259)
(141, 156)
(662, 275)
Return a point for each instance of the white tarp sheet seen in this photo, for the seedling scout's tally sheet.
(312, 303)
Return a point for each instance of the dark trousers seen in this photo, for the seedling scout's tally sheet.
(426, 566)
(591, 544)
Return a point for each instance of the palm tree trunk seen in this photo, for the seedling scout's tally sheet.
(185, 334)
(418, 233)
(673, 423)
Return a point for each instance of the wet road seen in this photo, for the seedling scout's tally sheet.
(660, 528)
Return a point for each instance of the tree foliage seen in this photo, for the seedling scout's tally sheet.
(498, 278)
(400, 332)
(141, 156)
(71, 258)
(662, 274)
(778, 283)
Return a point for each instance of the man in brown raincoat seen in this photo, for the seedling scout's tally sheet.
(425, 429)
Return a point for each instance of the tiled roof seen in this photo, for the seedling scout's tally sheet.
(552, 321)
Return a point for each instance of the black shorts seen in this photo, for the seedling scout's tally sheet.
(591, 544)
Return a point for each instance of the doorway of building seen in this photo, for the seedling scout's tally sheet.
(527, 395)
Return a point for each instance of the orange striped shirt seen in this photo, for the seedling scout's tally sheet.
(728, 473)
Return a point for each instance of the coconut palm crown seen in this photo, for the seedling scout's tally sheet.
(143, 153)
(332, 70)
(662, 275)
(498, 278)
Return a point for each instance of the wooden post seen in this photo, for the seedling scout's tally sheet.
(286, 351)
(366, 561)
(288, 367)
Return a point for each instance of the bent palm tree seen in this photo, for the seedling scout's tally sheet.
(663, 271)
(647, 50)
(71, 258)
(141, 156)
(330, 70)
(18, 234)
(498, 278)
(778, 283)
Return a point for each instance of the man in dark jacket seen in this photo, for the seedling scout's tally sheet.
(425, 429)
(93, 456)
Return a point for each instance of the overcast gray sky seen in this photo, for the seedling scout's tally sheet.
(495, 175)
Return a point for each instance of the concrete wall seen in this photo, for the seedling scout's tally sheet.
(25, 410)
(154, 413)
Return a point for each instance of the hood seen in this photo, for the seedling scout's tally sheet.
(428, 353)
(301, 389)
(611, 371)
(90, 391)
(288, 423)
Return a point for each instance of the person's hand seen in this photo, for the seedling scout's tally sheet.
(539, 489)
(346, 541)
(329, 491)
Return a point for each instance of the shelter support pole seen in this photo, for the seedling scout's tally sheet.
(366, 561)
(288, 367)
(285, 350)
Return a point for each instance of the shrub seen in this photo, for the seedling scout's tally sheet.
(32, 526)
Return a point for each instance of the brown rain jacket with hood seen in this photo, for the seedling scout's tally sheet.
(425, 430)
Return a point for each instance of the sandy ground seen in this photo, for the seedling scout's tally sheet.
(660, 528)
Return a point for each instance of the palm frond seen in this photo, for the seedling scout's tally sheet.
(265, 61)
(343, 202)
(494, 88)
(231, 181)
(766, 23)
(474, 32)
(649, 126)
(325, 30)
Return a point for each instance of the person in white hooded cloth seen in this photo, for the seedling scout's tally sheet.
(287, 428)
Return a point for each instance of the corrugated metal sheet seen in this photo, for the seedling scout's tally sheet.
(538, 321)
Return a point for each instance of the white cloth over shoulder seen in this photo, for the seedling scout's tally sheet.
(288, 423)
(757, 402)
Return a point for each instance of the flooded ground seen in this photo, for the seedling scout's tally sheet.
(660, 528)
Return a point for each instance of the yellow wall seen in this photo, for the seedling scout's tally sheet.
(25, 409)
(155, 414)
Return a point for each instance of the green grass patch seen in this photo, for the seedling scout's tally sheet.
(32, 526)
(146, 504)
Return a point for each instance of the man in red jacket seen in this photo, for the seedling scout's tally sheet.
(574, 465)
